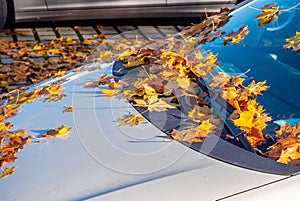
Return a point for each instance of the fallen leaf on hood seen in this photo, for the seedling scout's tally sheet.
(7, 172)
(131, 120)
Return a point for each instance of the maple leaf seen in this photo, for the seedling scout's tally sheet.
(55, 89)
(194, 134)
(60, 132)
(69, 109)
(269, 14)
(11, 143)
(236, 37)
(293, 42)
(7, 172)
(245, 121)
(159, 106)
(130, 119)
(103, 80)
(110, 92)
(134, 63)
(139, 103)
(59, 74)
(55, 97)
(198, 114)
(126, 54)
(255, 89)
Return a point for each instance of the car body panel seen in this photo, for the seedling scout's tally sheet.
(34, 10)
(92, 4)
(285, 189)
(104, 161)
(30, 6)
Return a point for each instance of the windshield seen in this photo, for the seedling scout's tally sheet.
(263, 54)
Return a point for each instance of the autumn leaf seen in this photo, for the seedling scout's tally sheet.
(245, 121)
(87, 42)
(110, 92)
(103, 80)
(7, 172)
(55, 89)
(255, 89)
(59, 74)
(69, 109)
(159, 106)
(236, 37)
(199, 114)
(55, 97)
(293, 42)
(60, 132)
(269, 14)
(134, 63)
(130, 119)
(194, 134)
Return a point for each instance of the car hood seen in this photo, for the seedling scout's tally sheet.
(101, 160)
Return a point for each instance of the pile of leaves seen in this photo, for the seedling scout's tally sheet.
(25, 63)
(169, 70)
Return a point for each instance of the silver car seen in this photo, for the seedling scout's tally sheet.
(33, 10)
(104, 161)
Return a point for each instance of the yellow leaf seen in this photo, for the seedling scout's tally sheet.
(55, 89)
(139, 103)
(69, 40)
(87, 42)
(245, 120)
(69, 109)
(206, 126)
(159, 106)
(134, 63)
(293, 42)
(37, 47)
(184, 83)
(59, 73)
(126, 54)
(131, 120)
(149, 91)
(60, 132)
(7, 172)
(110, 92)
(269, 14)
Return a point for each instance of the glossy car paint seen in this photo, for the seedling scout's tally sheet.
(103, 161)
(34, 10)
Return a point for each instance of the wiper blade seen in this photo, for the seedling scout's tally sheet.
(233, 129)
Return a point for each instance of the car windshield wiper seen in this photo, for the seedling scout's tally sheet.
(229, 125)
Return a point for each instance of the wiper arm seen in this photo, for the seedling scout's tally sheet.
(233, 129)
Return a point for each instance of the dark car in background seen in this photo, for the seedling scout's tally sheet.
(49, 10)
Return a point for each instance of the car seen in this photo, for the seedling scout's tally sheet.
(150, 145)
(51, 10)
